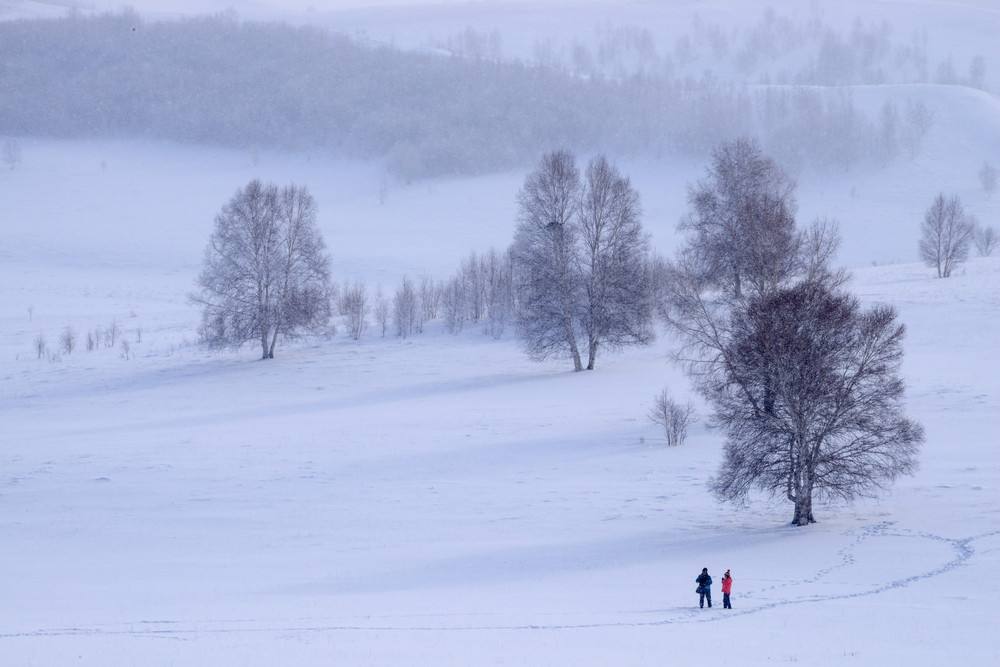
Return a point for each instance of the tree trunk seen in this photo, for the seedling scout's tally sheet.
(591, 355)
(573, 349)
(575, 353)
(263, 345)
(274, 341)
(803, 508)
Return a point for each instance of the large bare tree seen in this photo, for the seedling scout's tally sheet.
(741, 225)
(547, 259)
(266, 271)
(806, 385)
(946, 234)
(617, 309)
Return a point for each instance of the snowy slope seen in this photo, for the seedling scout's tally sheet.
(443, 500)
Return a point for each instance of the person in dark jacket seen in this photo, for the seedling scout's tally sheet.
(704, 589)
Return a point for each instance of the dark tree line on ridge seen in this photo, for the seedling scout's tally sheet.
(220, 81)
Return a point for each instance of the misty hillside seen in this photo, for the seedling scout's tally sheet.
(226, 82)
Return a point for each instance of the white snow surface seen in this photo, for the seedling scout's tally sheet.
(443, 500)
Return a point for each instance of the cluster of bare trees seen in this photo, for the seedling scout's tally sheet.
(110, 337)
(802, 379)
(581, 261)
(481, 292)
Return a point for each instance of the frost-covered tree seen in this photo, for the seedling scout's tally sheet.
(988, 178)
(741, 225)
(547, 262)
(405, 309)
(497, 270)
(806, 387)
(355, 307)
(266, 272)
(430, 299)
(986, 240)
(946, 234)
(381, 310)
(617, 308)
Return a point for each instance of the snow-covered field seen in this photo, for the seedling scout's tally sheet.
(443, 500)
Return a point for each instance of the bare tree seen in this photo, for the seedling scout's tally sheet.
(453, 304)
(498, 280)
(546, 258)
(673, 417)
(946, 235)
(806, 387)
(266, 272)
(919, 120)
(405, 314)
(988, 178)
(986, 240)
(381, 312)
(742, 221)
(126, 349)
(355, 307)
(818, 245)
(91, 342)
(67, 340)
(430, 299)
(618, 299)
(111, 333)
(11, 153)
(39, 345)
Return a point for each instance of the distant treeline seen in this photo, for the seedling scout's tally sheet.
(221, 81)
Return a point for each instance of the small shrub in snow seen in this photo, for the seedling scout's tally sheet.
(126, 349)
(673, 417)
(39, 345)
(67, 340)
(112, 333)
(986, 240)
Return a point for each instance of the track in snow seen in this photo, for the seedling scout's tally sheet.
(962, 548)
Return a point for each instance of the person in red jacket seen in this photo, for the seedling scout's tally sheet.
(727, 588)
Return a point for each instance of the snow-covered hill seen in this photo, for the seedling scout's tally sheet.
(443, 500)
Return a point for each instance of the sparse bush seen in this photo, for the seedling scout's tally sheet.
(126, 349)
(111, 333)
(673, 417)
(986, 240)
(67, 341)
(39, 345)
(91, 342)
